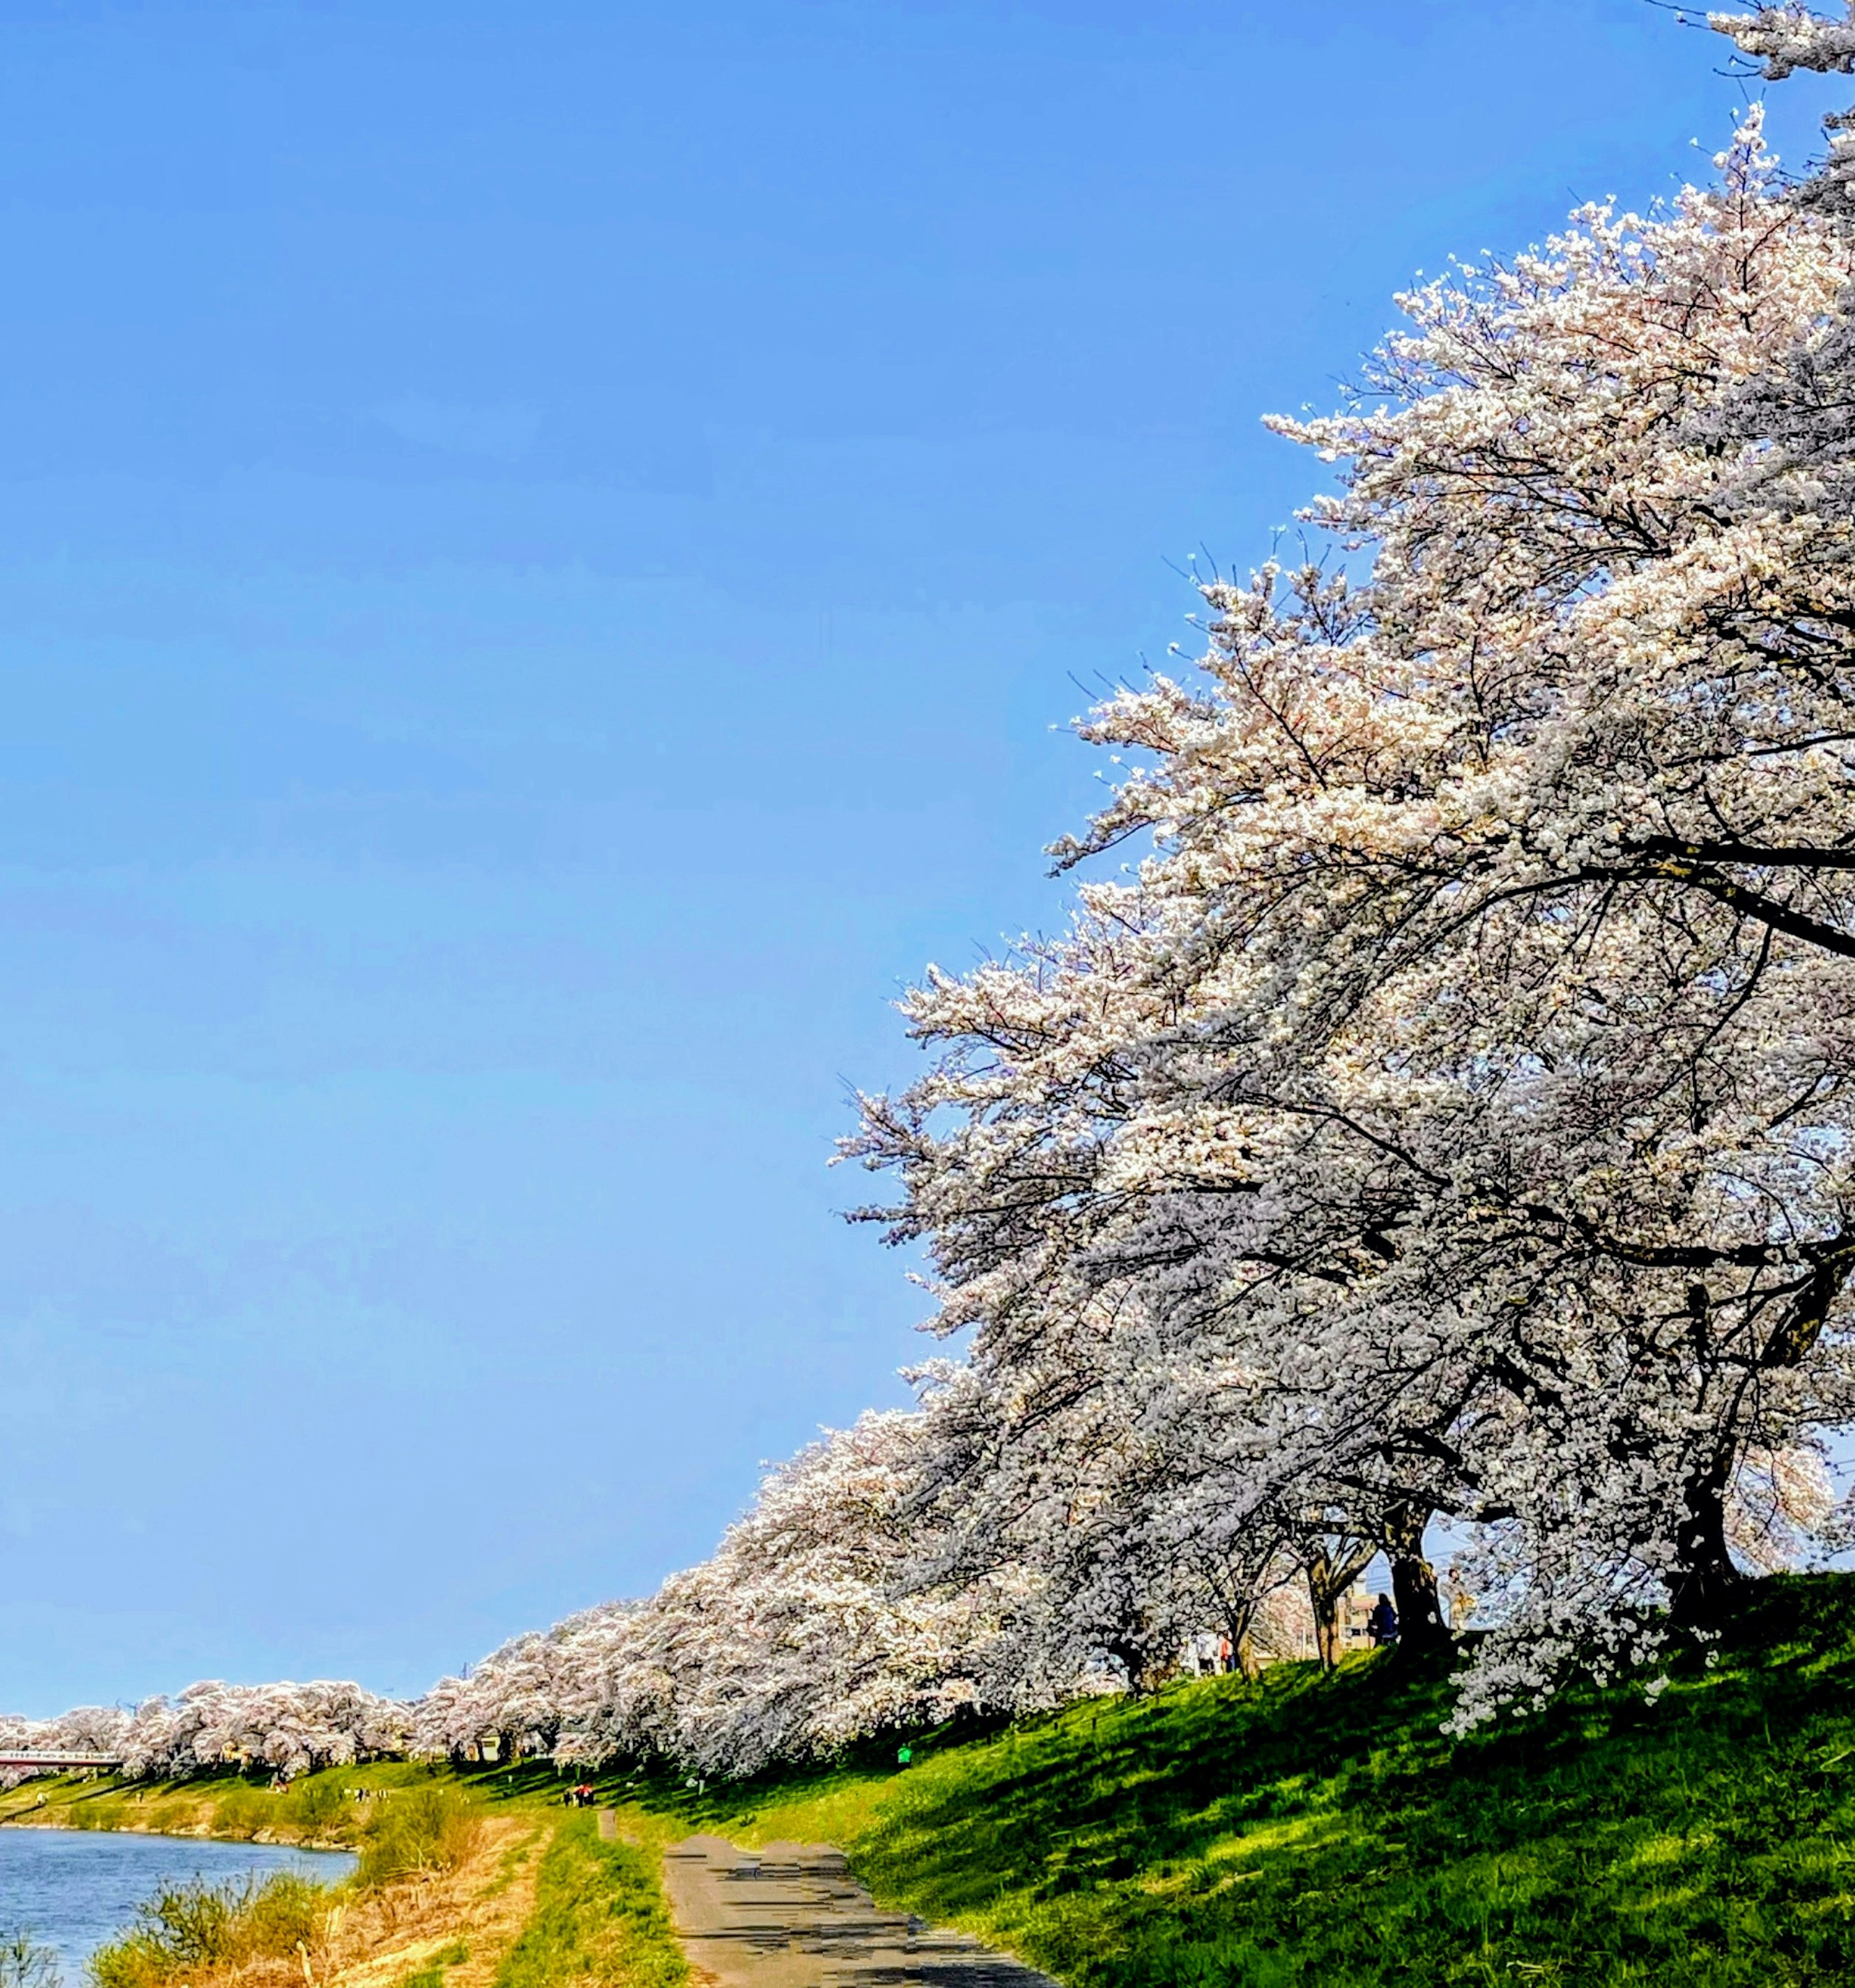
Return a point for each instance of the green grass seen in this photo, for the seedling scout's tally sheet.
(316, 1808)
(432, 1974)
(599, 1917)
(1310, 1830)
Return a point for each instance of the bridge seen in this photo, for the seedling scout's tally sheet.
(31, 1757)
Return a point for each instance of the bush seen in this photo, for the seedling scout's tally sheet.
(184, 1928)
(23, 1963)
(419, 1829)
(320, 1806)
(283, 1915)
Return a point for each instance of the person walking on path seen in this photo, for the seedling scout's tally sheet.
(1381, 1624)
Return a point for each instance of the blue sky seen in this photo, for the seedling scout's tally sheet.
(541, 549)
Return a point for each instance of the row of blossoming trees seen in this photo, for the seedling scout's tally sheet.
(1445, 1115)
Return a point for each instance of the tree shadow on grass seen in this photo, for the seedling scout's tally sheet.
(1306, 1829)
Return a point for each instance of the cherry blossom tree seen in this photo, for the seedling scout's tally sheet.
(1097, 1480)
(799, 1634)
(517, 1699)
(293, 1728)
(1335, 1554)
(1457, 1090)
(89, 1729)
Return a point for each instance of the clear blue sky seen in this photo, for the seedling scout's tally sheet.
(540, 549)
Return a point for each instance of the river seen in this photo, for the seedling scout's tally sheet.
(74, 1889)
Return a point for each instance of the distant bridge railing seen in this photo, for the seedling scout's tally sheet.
(30, 1757)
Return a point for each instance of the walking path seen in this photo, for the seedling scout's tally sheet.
(791, 1916)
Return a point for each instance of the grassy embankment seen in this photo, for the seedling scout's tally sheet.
(1312, 1831)
(1302, 1830)
(463, 1882)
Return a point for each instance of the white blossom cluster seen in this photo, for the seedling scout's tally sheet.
(289, 1728)
(803, 1631)
(1783, 39)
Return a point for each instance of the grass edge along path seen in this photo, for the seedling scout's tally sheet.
(1304, 1830)
(600, 1916)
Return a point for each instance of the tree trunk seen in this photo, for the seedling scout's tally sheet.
(1705, 1576)
(1421, 1628)
(1326, 1624)
(1238, 1625)
(1324, 1598)
(1331, 1574)
(1134, 1659)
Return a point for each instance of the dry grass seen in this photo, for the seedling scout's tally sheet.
(450, 1923)
(403, 1928)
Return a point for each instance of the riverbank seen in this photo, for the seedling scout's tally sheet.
(462, 1883)
(316, 1812)
(75, 1889)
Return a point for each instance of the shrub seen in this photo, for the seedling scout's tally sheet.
(23, 1963)
(135, 1961)
(186, 1927)
(419, 1829)
(283, 1915)
(319, 1805)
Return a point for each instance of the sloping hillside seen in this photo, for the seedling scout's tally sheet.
(1323, 1831)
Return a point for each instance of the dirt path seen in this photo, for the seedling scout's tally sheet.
(791, 1916)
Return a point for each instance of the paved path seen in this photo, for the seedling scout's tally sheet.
(791, 1916)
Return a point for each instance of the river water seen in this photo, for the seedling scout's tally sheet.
(74, 1889)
